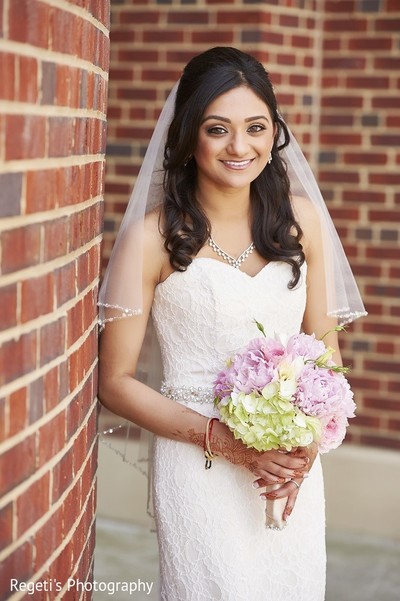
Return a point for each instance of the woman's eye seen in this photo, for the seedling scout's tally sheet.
(216, 130)
(256, 128)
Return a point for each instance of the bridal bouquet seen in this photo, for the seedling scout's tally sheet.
(283, 395)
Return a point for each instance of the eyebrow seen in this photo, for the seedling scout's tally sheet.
(226, 120)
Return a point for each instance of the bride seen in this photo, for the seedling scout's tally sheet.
(221, 242)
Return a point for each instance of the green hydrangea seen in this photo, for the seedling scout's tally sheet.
(268, 421)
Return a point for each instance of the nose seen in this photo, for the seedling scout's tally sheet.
(238, 145)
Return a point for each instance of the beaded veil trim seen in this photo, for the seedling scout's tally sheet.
(124, 312)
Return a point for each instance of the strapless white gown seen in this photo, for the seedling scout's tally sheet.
(210, 523)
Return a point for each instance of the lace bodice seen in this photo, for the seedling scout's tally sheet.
(204, 315)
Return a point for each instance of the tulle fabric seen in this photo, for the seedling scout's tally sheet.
(121, 293)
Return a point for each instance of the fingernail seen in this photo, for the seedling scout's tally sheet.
(306, 475)
(263, 497)
(256, 484)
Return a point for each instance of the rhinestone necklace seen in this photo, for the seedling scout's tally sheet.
(231, 260)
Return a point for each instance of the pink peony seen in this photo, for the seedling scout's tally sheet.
(305, 345)
(266, 349)
(251, 369)
(225, 382)
(333, 433)
(322, 392)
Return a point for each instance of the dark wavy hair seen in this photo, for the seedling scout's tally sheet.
(185, 226)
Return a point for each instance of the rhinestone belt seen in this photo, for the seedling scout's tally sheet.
(187, 394)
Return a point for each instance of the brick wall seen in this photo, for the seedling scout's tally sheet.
(360, 177)
(54, 66)
(333, 64)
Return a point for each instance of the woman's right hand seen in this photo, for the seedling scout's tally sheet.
(272, 467)
(277, 466)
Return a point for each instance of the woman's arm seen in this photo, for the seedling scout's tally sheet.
(120, 345)
(315, 320)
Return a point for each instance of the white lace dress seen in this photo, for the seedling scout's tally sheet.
(210, 523)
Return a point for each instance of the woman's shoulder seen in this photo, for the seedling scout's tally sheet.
(155, 255)
(152, 234)
(304, 210)
(307, 217)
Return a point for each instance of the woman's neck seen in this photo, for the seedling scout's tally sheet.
(229, 205)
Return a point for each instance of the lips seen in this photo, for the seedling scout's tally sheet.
(238, 164)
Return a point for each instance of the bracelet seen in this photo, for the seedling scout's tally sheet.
(208, 454)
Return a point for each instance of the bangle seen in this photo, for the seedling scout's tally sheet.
(208, 454)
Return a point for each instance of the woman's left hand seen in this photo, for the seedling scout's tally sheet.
(290, 488)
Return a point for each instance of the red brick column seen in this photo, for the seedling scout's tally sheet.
(360, 176)
(54, 66)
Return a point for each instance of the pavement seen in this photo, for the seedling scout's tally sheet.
(360, 567)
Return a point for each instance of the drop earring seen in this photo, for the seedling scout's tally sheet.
(270, 158)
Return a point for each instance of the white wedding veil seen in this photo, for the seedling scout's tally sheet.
(121, 291)
(121, 295)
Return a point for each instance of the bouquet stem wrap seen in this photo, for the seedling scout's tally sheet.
(274, 509)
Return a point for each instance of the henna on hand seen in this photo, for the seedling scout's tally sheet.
(224, 444)
(196, 438)
(228, 447)
(234, 451)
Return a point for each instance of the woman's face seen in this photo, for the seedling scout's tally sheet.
(235, 139)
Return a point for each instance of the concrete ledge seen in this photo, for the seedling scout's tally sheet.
(362, 487)
(122, 489)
